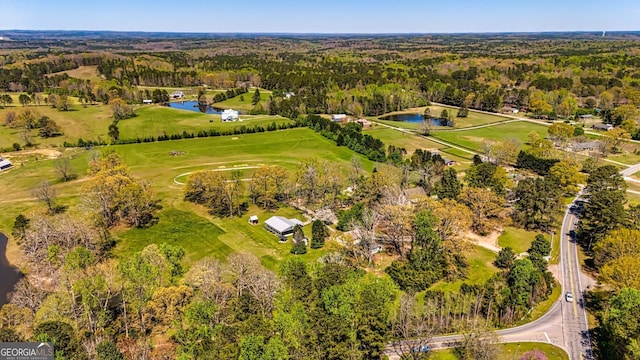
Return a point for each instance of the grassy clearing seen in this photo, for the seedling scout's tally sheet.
(158, 120)
(183, 223)
(82, 72)
(479, 271)
(412, 142)
(474, 138)
(243, 102)
(518, 239)
(87, 123)
(509, 352)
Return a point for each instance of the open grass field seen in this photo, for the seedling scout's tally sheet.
(243, 102)
(82, 72)
(158, 120)
(518, 239)
(88, 123)
(509, 352)
(479, 271)
(412, 142)
(183, 223)
(474, 138)
(92, 122)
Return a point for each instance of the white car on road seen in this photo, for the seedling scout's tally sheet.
(569, 297)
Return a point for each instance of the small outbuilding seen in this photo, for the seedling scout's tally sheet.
(5, 164)
(605, 127)
(147, 101)
(338, 117)
(253, 219)
(281, 226)
(230, 115)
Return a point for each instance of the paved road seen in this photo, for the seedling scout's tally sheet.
(565, 324)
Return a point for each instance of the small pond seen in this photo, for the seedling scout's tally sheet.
(416, 119)
(8, 274)
(195, 106)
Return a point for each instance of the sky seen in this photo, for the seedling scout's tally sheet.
(322, 16)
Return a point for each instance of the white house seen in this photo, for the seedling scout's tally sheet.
(229, 115)
(147, 101)
(338, 117)
(281, 226)
(5, 164)
(177, 95)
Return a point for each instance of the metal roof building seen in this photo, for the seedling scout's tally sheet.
(281, 226)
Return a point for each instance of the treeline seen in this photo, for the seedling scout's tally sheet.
(34, 76)
(239, 130)
(222, 96)
(350, 136)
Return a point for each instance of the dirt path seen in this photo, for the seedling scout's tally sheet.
(50, 153)
(488, 242)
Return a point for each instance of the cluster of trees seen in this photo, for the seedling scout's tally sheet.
(117, 309)
(27, 120)
(350, 136)
(222, 96)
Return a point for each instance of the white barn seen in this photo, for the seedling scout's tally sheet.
(5, 164)
(281, 226)
(338, 117)
(230, 115)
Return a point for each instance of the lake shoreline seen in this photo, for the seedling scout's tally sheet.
(9, 274)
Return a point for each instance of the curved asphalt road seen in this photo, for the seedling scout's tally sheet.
(565, 324)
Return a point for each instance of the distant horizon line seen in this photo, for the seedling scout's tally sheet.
(327, 33)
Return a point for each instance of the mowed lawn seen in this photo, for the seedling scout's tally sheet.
(87, 123)
(158, 120)
(473, 139)
(479, 271)
(243, 102)
(518, 239)
(181, 223)
(509, 352)
(412, 142)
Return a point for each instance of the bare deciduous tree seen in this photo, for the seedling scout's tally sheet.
(45, 193)
(63, 166)
(27, 296)
(412, 327)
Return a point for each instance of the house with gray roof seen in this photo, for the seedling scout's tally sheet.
(281, 226)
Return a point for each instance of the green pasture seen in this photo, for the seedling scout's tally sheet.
(480, 269)
(474, 138)
(158, 120)
(518, 239)
(243, 102)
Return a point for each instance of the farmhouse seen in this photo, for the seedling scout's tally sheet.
(338, 117)
(281, 226)
(177, 95)
(5, 164)
(587, 145)
(229, 115)
(605, 127)
(364, 122)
